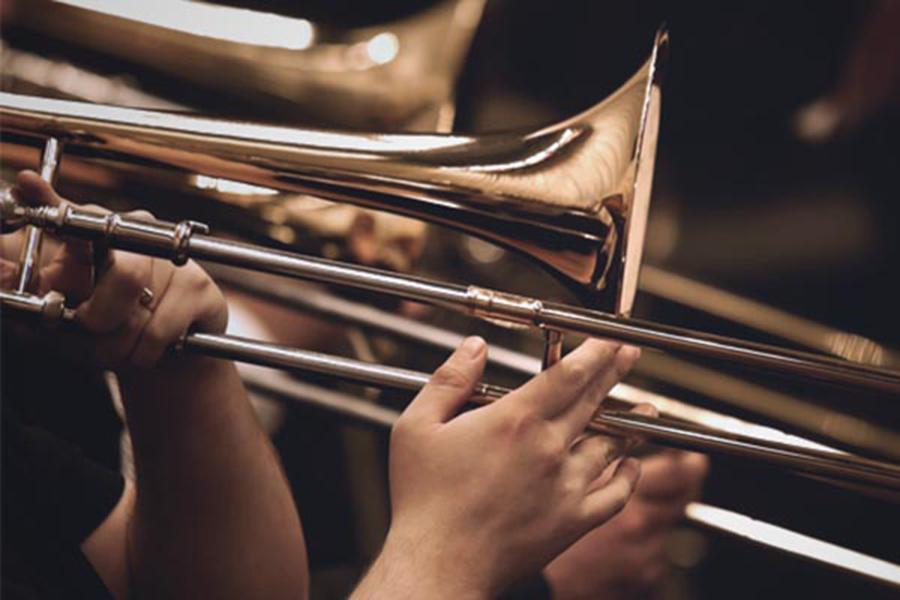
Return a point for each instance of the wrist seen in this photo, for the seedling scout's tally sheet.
(409, 567)
(186, 393)
(174, 373)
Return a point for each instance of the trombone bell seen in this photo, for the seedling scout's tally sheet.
(573, 196)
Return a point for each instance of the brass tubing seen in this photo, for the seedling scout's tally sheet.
(179, 241)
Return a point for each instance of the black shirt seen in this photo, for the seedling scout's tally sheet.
(53, 497)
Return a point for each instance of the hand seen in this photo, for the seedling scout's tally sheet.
(625, 558)
(483, 498)
(120, 323)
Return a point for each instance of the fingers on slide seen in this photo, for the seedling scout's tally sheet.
(578, 414)
(451, 385)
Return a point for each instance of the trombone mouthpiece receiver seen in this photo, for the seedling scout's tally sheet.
(15, 215)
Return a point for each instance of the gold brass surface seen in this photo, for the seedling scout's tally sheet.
(573, 195)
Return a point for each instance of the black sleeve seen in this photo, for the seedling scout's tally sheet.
(532, 588)
(43, 475)
(53, 498)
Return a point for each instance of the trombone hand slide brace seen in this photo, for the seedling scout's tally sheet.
(883, 476)
(187, 239)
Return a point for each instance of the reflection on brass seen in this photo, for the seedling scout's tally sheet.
(583, 178)
(573, 195)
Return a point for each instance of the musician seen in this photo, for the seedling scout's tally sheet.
(210, 514)
(480, 499)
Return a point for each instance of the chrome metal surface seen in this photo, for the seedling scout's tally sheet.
(174, 241)
(274, 355)
(845, 467)
(327, 305)
(31, 250)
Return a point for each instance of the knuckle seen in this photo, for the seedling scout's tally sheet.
(451, 376)
(519, 424)
(551, 452)
(574, 373)
(554, 444)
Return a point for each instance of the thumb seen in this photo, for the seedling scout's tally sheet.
(451, 385)
(71, 270)
(32, 190)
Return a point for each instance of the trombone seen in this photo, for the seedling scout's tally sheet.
(184, 240)
(574, 196)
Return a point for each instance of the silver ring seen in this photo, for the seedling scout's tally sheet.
(147, 297)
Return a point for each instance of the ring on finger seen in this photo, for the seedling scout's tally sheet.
(147, 298)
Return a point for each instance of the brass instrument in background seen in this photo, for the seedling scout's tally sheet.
(387, 75)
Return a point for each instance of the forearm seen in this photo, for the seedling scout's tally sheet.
(214, 516)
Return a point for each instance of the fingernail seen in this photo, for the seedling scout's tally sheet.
(646, 409)
(473, 346)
